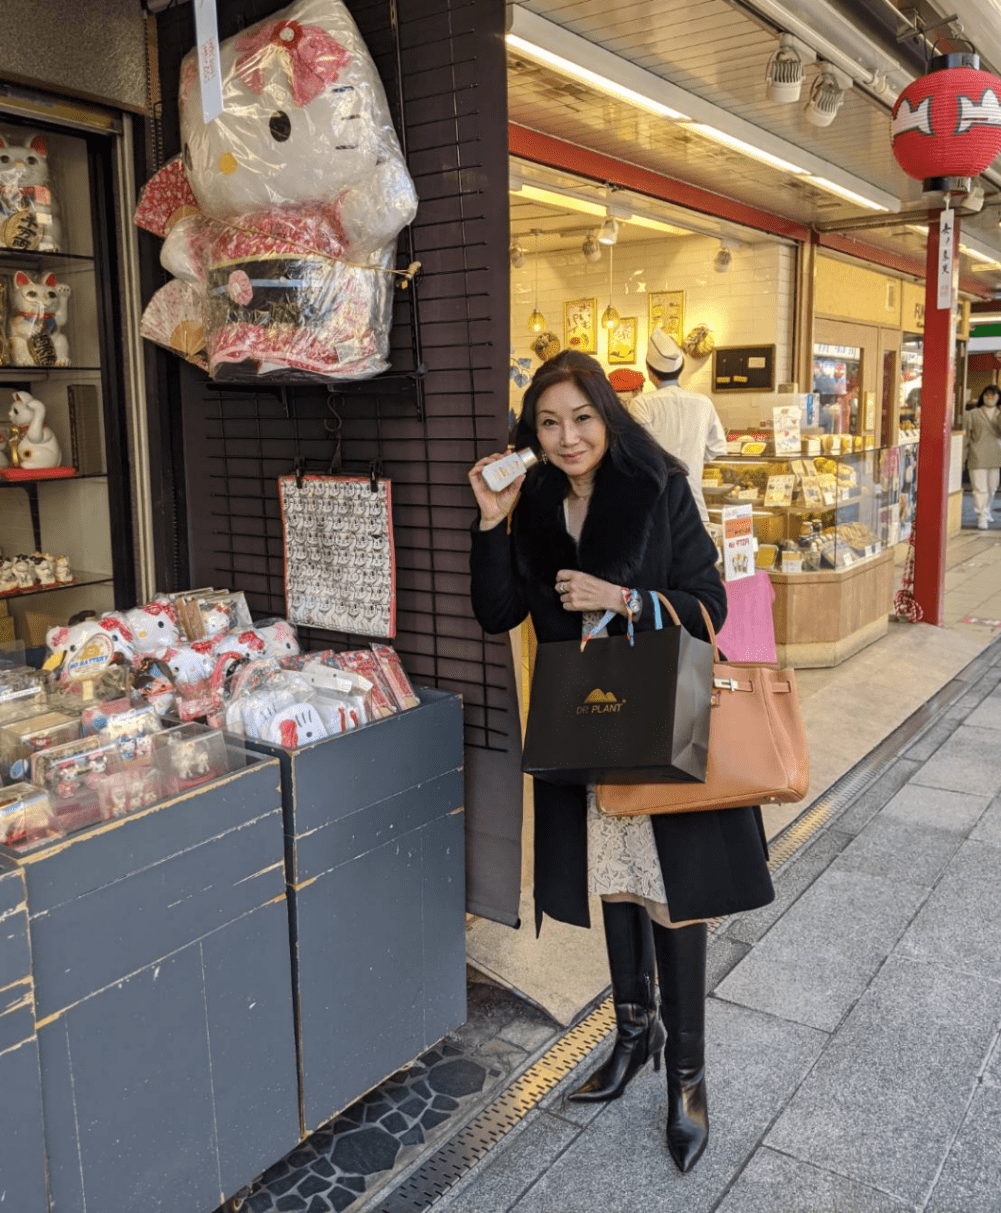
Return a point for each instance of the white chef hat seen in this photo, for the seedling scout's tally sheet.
(663, 353)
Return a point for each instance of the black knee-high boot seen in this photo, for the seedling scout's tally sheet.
(640, 1033)
(681, 965)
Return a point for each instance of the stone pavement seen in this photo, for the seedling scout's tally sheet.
(853, 1053)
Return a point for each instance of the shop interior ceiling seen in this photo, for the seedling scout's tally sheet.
(718, 51)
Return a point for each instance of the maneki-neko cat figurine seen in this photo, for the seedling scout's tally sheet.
(27, 213)
(280, 218)
(35, 321)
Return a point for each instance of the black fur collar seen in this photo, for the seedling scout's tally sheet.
(615, 534)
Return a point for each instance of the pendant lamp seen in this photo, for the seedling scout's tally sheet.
(609, 317)
(536, 321)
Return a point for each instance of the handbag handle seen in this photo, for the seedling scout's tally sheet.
(677, 622)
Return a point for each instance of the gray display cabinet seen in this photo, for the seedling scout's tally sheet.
(374, 849)
(22, 1142)
(160, 954)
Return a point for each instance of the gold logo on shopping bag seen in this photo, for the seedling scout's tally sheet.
(600, 701)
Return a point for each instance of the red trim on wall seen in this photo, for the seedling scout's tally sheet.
(557, 153)
(888, 260)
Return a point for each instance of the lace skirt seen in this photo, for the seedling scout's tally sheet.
(622, 860)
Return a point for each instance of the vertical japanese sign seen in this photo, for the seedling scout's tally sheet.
(946, 239)
(209, 67)
(738, 542)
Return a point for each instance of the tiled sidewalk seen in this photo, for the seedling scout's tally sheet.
(853, 1026)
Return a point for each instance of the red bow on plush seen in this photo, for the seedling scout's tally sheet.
(312, 58)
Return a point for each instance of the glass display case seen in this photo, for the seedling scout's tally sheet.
(813, 513)
(65, 515)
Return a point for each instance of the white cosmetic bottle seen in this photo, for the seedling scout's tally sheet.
(503, 472)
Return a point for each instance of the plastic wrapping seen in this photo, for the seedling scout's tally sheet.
(280, 219)
(26, 817)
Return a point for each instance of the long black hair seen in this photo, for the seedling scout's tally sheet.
(630, 448)
(979, 402)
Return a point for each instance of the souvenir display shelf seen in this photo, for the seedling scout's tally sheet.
(85, 516)
(827, 526)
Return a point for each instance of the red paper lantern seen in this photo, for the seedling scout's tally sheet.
(948, 123)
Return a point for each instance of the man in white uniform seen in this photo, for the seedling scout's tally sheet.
(684, 423)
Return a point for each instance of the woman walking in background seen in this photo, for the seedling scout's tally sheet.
(983, 453)
(604, 518)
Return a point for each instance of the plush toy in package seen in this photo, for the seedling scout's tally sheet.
(280, 218)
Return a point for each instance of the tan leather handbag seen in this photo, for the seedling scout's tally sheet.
(757, 746)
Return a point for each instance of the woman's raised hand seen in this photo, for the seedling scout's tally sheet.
(494, 507)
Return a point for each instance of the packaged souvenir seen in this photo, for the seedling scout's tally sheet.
(190, 755)
(365, 662)
(72, 774)
(20, 739)
(203, 613)
(153, 679)
(133, 728)
(352, 688)
(22, 693)
(399, 683)
(26, 817)
(128, 790)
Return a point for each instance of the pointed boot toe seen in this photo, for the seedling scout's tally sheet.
(640, 1036)
(687, 1123)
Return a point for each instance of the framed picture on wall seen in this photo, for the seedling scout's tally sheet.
(667, 312)
(622, 341)
(580, 326)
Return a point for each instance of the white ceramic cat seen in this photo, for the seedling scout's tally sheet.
(28, 217)
(37, 315)
(39, 447)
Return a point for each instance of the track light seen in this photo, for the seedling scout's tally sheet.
(591, 248)
(723, 260)
(784, 77)
(826, 96)
(608, 233)
(517, 255)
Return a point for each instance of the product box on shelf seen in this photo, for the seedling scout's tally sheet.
(73, 774)
(26, 817)
(374, 851)
(20, 739)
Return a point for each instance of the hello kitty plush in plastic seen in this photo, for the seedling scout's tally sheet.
(65, 642)
(280, 219)
(279, 639)
(154, 628)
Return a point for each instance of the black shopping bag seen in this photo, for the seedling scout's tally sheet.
(616, 713)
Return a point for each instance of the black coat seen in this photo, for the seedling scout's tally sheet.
(636, 535)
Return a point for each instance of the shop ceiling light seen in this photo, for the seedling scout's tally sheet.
(988, 260)
(517, 254)
(784, 76)
(591, 248)
(826, 96)
(610, 317)
(567, 202)
(597, 80)
(849, 195)
(723, 260)
(608, 233)
(748, 149)
(656, 225)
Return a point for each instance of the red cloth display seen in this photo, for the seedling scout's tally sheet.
(749, 633)
(37, 473)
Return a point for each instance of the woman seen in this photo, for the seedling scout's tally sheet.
(605, 517)
(983, 452)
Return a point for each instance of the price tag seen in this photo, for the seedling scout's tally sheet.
(847, 559)
(209, 65)
(870, 549)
